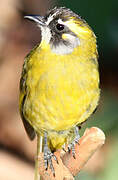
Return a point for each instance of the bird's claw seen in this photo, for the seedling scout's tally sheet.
(48, 155)
(71, 146)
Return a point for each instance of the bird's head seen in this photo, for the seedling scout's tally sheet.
(63, 30)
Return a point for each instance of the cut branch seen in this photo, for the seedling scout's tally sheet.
(68, 167)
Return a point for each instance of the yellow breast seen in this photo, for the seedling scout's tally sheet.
(62, 90)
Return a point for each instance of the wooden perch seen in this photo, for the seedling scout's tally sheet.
(68, 167)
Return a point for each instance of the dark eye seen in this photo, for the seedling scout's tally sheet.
(60, 27)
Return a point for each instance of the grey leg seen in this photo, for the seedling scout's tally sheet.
(48, 156)
(71, 146)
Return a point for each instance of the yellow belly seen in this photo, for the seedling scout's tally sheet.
(62, 91)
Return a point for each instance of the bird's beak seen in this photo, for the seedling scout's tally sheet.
(36, 18)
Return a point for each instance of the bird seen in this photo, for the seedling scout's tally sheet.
(59, 85)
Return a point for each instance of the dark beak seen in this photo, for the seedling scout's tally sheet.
(36, 18)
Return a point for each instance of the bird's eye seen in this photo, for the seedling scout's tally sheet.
(60, 27)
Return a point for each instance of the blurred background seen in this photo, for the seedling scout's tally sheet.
(17, 37)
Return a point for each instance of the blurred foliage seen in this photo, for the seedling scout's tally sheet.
(111, 170)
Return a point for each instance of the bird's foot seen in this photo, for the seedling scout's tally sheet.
(48, 155)
(71, 146)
